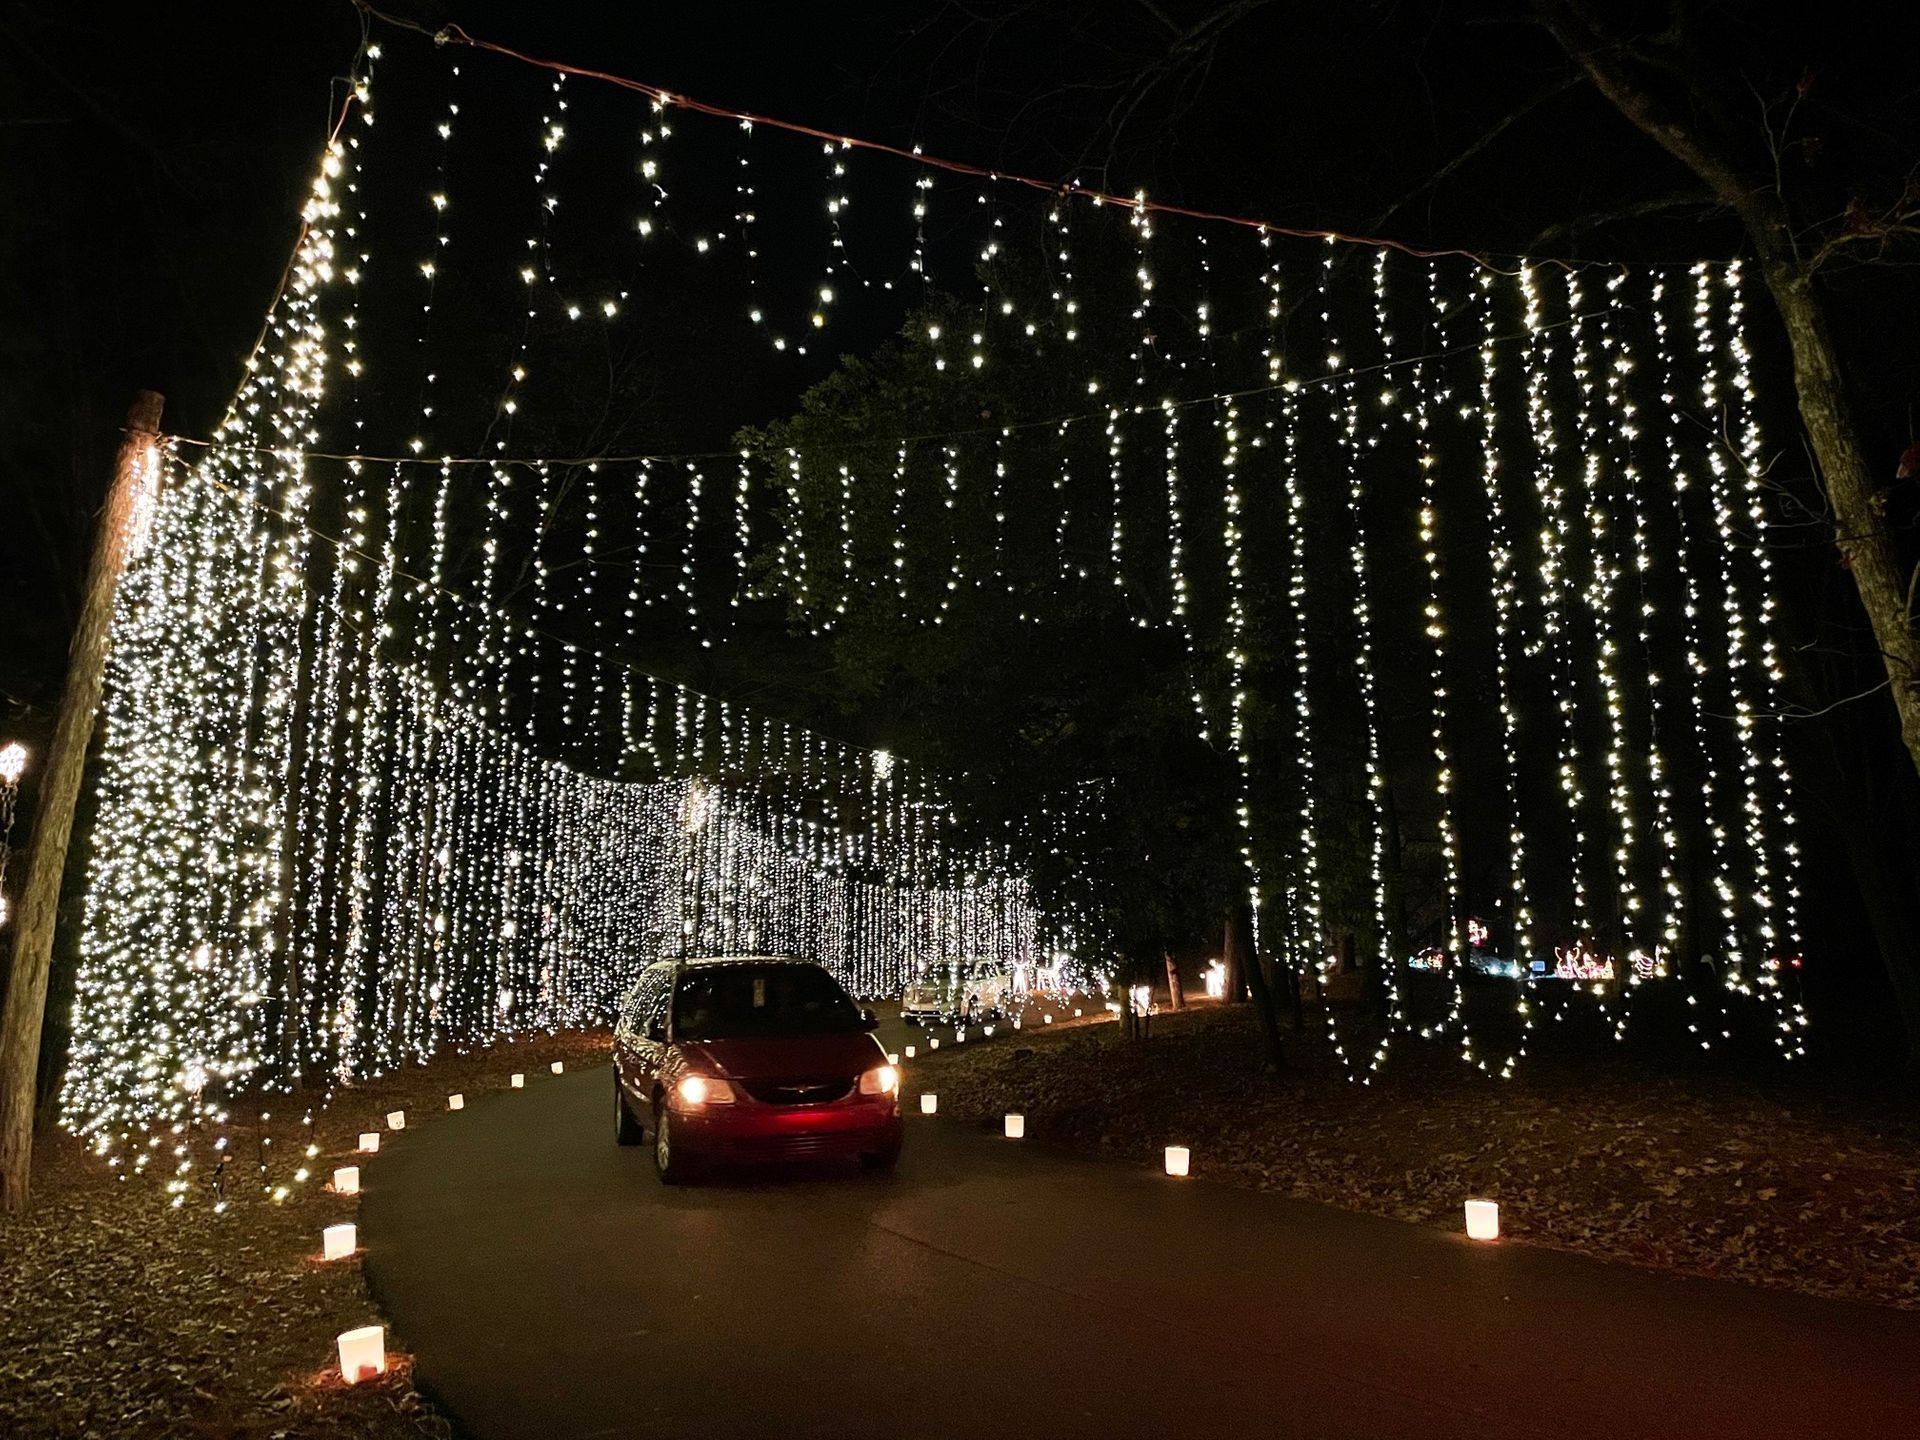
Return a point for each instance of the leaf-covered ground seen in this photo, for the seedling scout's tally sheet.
(123, 1316)
(1785, 1179)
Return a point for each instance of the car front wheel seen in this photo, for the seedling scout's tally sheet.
(668, 1161)
(626, 1129)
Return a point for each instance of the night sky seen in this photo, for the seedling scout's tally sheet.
(156, 157)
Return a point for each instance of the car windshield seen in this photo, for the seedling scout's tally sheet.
(731, 1002)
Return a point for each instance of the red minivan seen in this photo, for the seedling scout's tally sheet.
(750, 1057)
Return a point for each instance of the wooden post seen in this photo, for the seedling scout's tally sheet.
(1176, 994)
(134, 472)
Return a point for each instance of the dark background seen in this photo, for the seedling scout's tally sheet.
(152, 163)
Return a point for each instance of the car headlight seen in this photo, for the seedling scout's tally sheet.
(698, 1090)
(881, 1080)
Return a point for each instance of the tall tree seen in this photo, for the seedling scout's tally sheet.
(968, 631)
(1673, 85)
(130, 499)
(1675, 89)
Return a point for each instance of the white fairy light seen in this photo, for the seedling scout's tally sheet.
(1426, 399)
(1755, 896)
(742, 527)
(1066, 309)
(746, 216)
(1176, 550)
(1063, 501)
(956, 571)
(1307, 904)
(1116, 561)
(1343, 400)
(1232, 539)
(1506, 603)
(1681, 475)
(897, 559)
(999, 504)
(1597, 440)
(395, 834)
(690, 555)
(1648, 961)
(835, 203)
(847, 580)
(1551, 573)
(1791, 1012)
(923, 187)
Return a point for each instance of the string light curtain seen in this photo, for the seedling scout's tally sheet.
(334, 830)
(389, 869)
(1468, 583)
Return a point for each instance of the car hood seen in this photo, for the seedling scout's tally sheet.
(773, 1059)
(923, 992)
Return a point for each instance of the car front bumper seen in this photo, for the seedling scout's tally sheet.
(756, 1132)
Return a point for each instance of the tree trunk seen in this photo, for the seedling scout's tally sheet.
(1230, 960)
(1890, 921)
(1881, 859)
(1238, 951)
(1376, 976)
(1176, 995)
(1861, 533)
(135, 476)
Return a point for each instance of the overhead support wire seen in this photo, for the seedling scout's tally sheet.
(453, 34)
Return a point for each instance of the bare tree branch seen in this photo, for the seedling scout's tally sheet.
(1550, 238)
(1487, 137)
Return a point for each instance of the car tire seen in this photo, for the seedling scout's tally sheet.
(669, 1163)
(626, 1129)
(881, 1162)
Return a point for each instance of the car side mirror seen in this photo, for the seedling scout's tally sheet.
(868, 1020)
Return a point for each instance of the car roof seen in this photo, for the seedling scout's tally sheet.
(702, 962)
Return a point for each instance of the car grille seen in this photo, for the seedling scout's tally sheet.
(794, 1147)
(817, 1091)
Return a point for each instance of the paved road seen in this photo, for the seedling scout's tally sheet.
(550, 1287)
